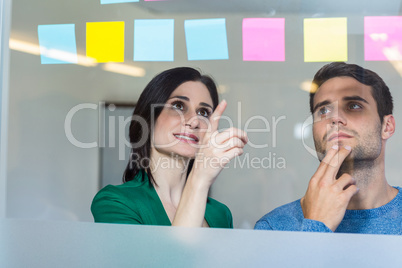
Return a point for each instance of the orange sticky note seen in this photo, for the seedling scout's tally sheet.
(105, 41)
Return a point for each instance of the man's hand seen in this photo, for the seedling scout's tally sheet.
(327, 198)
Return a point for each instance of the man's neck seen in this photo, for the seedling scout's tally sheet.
(374, 190)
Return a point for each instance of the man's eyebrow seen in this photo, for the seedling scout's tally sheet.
(355, 98)
(326, 102)
(187, 99)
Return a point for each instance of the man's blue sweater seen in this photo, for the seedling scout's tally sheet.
(386, 219)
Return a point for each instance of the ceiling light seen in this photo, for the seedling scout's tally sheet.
(124, 69)
(35, 49)
(308, 86)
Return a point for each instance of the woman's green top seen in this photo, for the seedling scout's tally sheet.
(136, 202)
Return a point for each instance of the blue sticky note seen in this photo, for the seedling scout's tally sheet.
(206, 39)
(103, 2)
(154, 40)
(57, 43)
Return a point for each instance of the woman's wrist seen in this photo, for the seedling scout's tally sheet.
(199, 181)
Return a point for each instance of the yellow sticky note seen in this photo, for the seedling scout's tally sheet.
(105, 41)
(325, 39)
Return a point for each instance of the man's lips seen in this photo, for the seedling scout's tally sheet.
(186, 137)
(339, 136)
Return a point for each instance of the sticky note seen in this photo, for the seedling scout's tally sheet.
(264, 39)
(383, 38)
(154, 40)
(325, 39)
(57, 43)
(206, 39)
(105, 41)
(103, 2)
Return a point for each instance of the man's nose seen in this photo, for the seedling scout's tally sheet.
(338, 117)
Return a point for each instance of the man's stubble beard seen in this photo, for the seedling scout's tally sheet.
(363, 155)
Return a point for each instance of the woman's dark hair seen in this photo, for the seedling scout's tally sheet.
(379, 89)
(154, 96)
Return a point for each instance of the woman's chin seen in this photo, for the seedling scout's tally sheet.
(185, 155)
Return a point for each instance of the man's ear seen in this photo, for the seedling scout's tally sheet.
(388, 127)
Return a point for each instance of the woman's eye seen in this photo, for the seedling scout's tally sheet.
(204, 112)
(177, 105)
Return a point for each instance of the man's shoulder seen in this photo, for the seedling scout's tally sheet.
(282, 218)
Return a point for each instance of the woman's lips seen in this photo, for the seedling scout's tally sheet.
(186, 137)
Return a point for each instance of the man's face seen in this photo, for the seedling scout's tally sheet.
(345, 113)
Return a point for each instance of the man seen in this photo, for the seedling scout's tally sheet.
(352, 111)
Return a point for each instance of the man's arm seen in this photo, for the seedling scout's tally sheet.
(289, 218)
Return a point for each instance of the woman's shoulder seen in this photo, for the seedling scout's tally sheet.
(125, 203)
(127, 189)
(216, 205)
(218, 214)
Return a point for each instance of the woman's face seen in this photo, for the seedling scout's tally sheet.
(183, 121)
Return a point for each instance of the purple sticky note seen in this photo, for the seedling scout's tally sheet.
(264, 39)
(383, 38)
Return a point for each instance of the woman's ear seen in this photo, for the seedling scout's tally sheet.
(388, 127)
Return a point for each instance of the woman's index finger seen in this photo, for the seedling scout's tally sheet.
(217, 114)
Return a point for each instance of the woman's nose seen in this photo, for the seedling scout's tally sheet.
(193, 122)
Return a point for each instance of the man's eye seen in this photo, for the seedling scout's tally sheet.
(354, 106)
(323, 110)
(204, 112)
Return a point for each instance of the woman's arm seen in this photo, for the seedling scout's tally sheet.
(218, 148)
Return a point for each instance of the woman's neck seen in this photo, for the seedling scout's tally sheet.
(169, 173)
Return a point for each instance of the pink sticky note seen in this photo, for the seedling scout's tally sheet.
(383, 38)
(264, 39)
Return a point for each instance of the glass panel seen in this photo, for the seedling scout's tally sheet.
(55, 106)
(116, 245)
(5, 19)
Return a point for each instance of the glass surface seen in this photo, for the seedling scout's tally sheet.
(79, 244)
(5, 19)
(53, 170)
(114, 149)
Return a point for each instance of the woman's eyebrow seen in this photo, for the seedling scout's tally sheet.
(205, 104)
(180, 97)
(187, 99)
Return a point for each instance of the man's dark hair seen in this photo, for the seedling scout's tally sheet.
(379, 90)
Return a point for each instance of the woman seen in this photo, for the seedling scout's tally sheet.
(176, 156)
